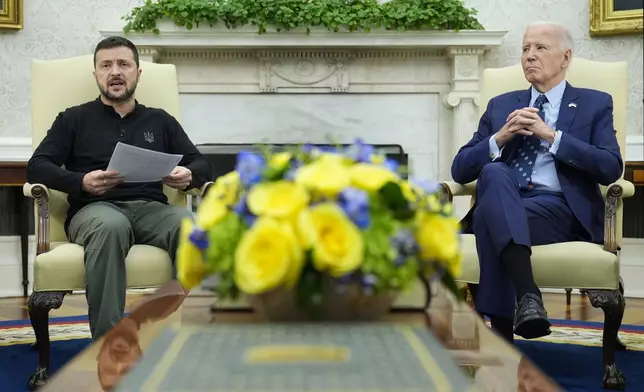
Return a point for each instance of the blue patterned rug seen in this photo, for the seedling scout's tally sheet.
(571, 354)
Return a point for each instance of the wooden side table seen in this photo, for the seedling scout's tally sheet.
(14, 174)
(635, 173)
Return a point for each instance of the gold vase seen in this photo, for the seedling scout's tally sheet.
(339, 302)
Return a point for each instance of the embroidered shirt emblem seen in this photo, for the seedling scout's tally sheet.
(149, 137)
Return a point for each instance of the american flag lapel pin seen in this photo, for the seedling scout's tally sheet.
(572, 105)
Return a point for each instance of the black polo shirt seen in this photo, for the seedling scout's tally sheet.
(83, 138)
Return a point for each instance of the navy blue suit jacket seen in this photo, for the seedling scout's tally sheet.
(588, 152)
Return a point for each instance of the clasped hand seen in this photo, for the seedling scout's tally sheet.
(98, 182)
(525, 122)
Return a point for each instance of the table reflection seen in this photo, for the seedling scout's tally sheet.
(491, 363)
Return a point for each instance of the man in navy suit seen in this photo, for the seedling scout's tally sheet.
(538, 155)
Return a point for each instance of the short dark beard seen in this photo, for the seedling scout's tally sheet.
(120, 99)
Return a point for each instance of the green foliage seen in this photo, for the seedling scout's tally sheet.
(223, 239)
(335, 15)
(395, 201)
(379, 257)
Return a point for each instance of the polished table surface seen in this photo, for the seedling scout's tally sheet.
(492, 364)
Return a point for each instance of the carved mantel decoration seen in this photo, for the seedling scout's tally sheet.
(215, 60)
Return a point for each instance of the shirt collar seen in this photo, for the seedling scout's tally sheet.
(110, 109)
(554, 95)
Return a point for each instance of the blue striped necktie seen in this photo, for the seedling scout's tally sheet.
(523, 164)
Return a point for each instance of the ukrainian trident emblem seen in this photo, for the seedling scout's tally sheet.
(149, 137)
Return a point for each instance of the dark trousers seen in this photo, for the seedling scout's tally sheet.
(107, 231)
(503, 215)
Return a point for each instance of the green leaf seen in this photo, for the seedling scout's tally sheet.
(395, 201)
(451, 285)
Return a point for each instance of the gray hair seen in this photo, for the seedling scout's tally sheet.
(565, 36)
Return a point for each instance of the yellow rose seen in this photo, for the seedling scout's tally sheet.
(268, 256)
(370, 177)
(411, 192)
(437, 238)
(377, 159)
(226, 188)
(336, 242)
(191, 268)
(332, 157)
(328, 176)
(433, 204)
(279, 199)
(211, 211)
(279, 160)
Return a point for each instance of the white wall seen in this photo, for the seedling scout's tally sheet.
(64, 28)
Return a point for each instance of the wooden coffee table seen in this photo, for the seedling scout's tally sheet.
(488, 360)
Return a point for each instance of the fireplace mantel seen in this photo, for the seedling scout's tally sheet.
(218, 37)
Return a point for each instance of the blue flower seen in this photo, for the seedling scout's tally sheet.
(427, 186)
(359, 151)
(405, 244)
(391, 165)
(199, 238)
(369, 280)
(368, 283)
(400, 260)
(249, 166)
(355, 204)
(290, 173)
(241, 209)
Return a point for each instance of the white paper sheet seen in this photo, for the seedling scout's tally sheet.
(137, 164)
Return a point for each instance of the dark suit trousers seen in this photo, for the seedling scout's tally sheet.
(505, 214)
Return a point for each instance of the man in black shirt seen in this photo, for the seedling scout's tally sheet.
(106, 215)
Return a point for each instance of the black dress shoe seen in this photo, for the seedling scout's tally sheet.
(531, 318)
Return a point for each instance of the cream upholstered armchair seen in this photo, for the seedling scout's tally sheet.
(592, 268)
(59, 266)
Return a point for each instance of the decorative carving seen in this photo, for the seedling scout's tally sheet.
(613, 194)
(149, 54)
(209, 54)
(464, 50)
(465, 66)
(454, 98)
(41, 195)
(39, 304)
(326, 74)
(612, 302)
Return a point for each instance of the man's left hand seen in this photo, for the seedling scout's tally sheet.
(180, 178)
(538, 127)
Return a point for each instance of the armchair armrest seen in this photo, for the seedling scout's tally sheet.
(40, 194)
(200, 191)
(452, 189)
(613, 195)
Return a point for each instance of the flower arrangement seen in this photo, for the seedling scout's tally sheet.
(292, 220)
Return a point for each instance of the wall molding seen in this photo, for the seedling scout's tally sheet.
(15, 149)
(18, 149)
(635, 148)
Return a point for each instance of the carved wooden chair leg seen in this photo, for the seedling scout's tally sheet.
(612, 303)
(40, 303)
(568, 296)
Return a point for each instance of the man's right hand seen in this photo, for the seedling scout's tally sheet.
(100, 181)
(516, 124)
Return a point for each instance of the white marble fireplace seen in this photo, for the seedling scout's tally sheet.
(415, 89)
